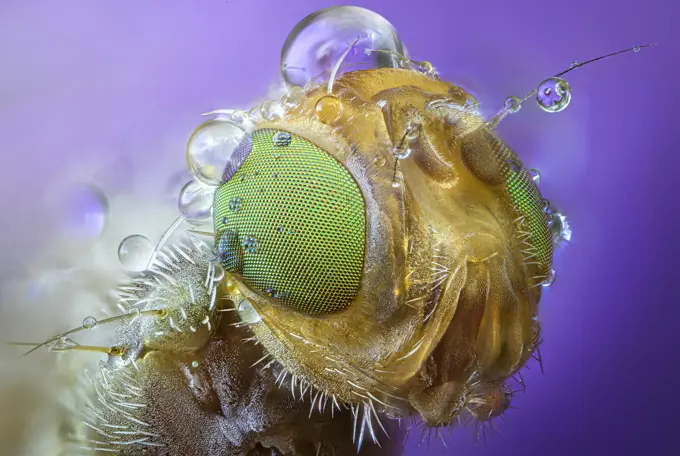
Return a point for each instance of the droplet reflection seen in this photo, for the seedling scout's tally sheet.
(134, 252)
(317, 42)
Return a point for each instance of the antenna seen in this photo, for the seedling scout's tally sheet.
(336, 67)
(512, 104)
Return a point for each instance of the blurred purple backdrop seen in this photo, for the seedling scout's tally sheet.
(121, 84)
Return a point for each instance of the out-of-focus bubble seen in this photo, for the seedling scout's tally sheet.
(134, 252)
(83, 211)
(317, 42)
(195, 201)
(211, 147)
(174, 185)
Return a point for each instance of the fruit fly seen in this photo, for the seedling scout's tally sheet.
(371, 252)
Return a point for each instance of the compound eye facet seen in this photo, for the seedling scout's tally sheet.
(291, 221)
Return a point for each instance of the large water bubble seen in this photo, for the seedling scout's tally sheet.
(211, 147)
(553, 95)
(317, 42)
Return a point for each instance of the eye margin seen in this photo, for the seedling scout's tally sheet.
(237, 159)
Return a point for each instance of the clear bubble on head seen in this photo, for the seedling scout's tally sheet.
(553, 95)
(195, 201)
(211, 147)
(317, 42)
(248, 313)
(271, 110)
(239, 117)
(535, 175)
(293, 96)
(134, 252)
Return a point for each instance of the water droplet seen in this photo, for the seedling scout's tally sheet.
(317, 42)
(329, 109)
(413, 129)
(250, 244)
(89, 323)
(134, 252)
(574, 64)
(427, 68)
(255, 115)
(402, 153)
(276, 175)
(560, 227)
(550, 279)
(379, 161)
(224, 220)
(271, 110)
(60, 344)
(514, 166)
(636, 49)
(294, 96)
(280, 229)
(194, 364)
(195, 201)
(239, 117)
(82, 212)
(396, 184)
(535, 175)
(235, 203)
(211, 147)
(218, 273)
(553, 95)
(282, 139)
(546, 206)
(513, 104)
(248, 313)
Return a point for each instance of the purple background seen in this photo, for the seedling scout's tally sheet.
(121, 84)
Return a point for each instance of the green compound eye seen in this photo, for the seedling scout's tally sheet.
(291, 221)
(501, 166)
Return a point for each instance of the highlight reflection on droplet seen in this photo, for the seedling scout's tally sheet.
(134, 252)
(553, 95)
(317, 42)
(211, 147)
